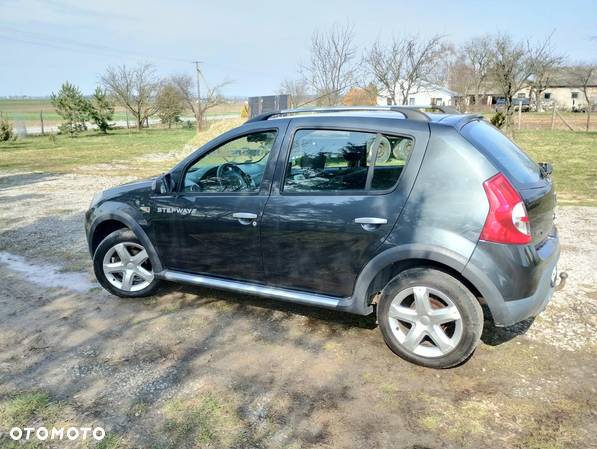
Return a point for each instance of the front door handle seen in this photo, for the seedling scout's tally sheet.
(370, 223)
(245, 218)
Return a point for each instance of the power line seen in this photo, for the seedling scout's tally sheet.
(49, 41)
(80, 47)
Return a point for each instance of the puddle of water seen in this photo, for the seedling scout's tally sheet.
(46, 275)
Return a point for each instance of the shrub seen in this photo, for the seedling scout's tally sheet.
(244, 112)
(498, 120)
(6, 130)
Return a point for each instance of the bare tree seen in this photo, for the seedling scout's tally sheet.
(586, 76)
(330, 70)
(475, 56)
(135, 89)
(400, 67)
(545, 64)
(297, 89)
(199, 106)
(512, 65)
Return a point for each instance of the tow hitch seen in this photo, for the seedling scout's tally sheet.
(562, 283)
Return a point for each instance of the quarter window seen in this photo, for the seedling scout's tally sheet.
(335, 161)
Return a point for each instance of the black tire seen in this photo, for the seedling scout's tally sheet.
(471, 316)
(120, 236)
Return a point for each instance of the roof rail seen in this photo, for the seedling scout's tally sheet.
(410, 113)
(442, 109)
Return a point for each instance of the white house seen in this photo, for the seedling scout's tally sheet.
(424, 94)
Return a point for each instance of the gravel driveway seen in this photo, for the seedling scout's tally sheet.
(200, 368)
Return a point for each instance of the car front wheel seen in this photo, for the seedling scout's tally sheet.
(430, 318)
(123, 267)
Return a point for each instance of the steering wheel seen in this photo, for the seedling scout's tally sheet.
(234, 174)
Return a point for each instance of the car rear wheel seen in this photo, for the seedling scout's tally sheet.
(430, 318)
(122, 266)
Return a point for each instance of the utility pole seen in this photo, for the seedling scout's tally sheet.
(198, 110)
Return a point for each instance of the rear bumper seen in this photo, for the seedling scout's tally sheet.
(517, 282)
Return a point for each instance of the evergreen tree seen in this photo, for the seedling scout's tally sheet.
(72, 106)
(101, 110)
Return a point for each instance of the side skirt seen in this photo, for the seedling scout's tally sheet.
(288, 295)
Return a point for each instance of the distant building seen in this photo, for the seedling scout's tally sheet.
(565, 92)
(424, 94)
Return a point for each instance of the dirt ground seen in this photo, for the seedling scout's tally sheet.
(200, 368)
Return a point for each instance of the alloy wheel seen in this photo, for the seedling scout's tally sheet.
(425, 321)
(127, 267)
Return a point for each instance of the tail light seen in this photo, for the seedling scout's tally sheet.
(507, 220)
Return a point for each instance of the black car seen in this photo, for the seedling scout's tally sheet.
(418, 217)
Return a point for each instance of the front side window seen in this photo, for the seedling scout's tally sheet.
(335, 161)
(236, 166)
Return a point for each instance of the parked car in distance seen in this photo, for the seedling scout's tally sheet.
(418, 217)
(523, 104)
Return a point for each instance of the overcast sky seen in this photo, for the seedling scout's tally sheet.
(254, 44)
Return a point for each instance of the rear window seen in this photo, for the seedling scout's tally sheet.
(508, 158)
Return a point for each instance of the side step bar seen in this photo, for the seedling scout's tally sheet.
(294, 296)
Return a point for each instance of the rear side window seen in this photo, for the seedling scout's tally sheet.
(509, 158)
(336, 161)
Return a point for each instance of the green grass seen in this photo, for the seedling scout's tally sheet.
(111, 441)
(20, 409)
(27, 110)
(574, 159)
(27, 409)
(66, 154)
(203, 420)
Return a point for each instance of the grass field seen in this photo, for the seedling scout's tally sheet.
(145, 153)
(574, 159)
(27, 111)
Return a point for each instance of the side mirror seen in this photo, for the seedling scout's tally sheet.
(546, 167)
(162, 184)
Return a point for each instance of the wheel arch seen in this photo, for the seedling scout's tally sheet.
(110, 218)
(380, 270)
(103, 230)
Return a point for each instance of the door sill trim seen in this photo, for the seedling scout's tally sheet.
(283, 294)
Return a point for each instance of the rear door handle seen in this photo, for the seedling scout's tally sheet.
(245, 218)
(370, 223)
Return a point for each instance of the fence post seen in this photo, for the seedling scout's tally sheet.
(553, 116)
(564, 120)
(41, 119)
(519, 113)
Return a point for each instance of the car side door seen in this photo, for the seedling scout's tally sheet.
(210, 224)
(338, 190)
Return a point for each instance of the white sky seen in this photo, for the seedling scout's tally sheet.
(254, 44)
